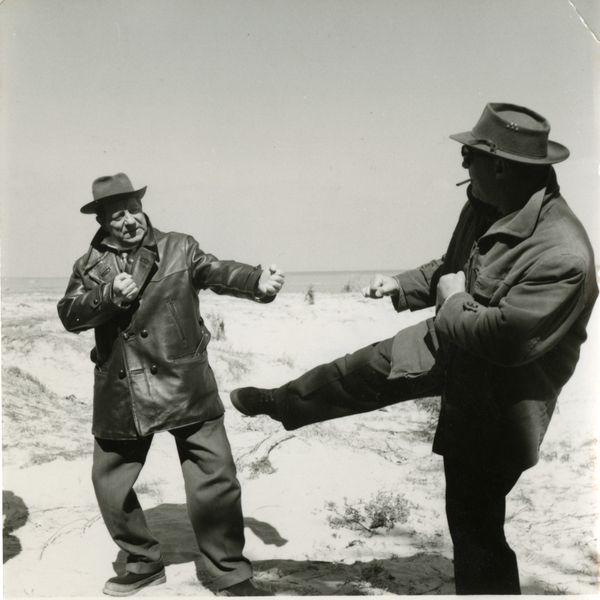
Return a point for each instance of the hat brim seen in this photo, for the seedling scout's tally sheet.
(90, 207)
(556, 152)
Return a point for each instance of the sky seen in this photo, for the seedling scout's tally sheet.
(308, 133)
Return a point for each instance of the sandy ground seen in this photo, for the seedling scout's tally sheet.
(55, 542)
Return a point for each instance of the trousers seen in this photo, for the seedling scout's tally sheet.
(407, 367)
(213, 496)
(484, 563)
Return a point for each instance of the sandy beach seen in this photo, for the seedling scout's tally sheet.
(296, 485)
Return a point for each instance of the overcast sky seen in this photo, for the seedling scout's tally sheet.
(313, 134)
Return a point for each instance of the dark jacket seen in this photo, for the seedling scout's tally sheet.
(511, 341)
(152, 372)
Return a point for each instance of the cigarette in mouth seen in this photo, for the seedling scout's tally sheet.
(463, 182)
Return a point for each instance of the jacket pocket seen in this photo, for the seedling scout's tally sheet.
(178, 325)
(200, 347)
(488, 291)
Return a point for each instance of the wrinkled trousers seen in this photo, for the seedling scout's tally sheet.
(213, 500)
(404, 367)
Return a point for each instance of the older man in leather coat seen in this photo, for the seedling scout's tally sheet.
(513, 295)
(138, 288)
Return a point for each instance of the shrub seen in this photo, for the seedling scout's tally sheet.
(385, 509)
(431, 407)
(216, 326)
(310, 294)
(350, 286)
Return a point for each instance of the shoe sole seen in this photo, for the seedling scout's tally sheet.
(237, 403)
(129, 590)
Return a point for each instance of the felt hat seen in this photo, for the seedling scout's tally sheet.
(515, 133)
(110, 188)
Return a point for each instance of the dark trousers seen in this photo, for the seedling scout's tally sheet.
(356, 383)
(475, 497)
(484, 563)
(213, 499)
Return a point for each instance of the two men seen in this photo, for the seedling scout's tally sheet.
(513, 295)
(137, 287)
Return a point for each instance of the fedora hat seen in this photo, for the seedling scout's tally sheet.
(109, 188)
(515, 133)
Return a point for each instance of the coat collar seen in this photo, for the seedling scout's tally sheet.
(522, 223)
(96, 262)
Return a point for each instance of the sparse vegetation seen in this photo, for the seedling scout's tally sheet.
(216, 325)
(47, 413)
(350, 286)
(430, 406)
(309, 297)
(384, 510)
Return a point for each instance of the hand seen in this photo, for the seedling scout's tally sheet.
(380, 286)
(449, 284)
(124, 288)
(271, 281)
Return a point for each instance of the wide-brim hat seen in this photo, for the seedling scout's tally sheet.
(515, 133)
(110, 188)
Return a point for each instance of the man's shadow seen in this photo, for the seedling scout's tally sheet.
(422, 573)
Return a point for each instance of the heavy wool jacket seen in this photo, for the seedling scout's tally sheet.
(509, 343)
(151, 365)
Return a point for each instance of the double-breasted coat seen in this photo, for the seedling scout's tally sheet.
(151, 364)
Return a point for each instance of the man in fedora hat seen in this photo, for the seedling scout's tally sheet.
(137, 287)
(513, 295)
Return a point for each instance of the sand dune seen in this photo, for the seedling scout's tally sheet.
(294, 483)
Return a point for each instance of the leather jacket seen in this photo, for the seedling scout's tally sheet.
(151, 364)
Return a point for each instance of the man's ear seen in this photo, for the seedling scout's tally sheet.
(501, 168)
(100, 221)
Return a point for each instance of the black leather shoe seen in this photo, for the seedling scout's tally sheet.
(252, 401)
(244, 588)
(131, 583)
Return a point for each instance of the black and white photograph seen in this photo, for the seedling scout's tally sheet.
(298, 297)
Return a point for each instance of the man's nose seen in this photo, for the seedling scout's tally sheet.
(129, 220)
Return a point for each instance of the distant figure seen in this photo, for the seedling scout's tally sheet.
(513, 295)
(138, 288)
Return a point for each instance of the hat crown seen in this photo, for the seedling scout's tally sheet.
(109, 188)
(111, 185)
(513, 129)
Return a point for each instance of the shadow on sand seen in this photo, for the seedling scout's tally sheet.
(424, 573)
(418, 574)
(15, 514)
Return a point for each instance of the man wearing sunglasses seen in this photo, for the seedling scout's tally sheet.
(513, 295)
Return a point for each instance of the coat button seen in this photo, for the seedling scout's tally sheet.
(144, 333)
(154, 369)
(122, 374)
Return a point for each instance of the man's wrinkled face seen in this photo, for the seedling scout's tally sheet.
(125, 221)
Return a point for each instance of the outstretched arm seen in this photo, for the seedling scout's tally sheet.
(414, 289)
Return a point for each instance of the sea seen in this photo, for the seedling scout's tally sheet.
(331, 282)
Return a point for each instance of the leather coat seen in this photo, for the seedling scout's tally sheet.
(152, 371)
(507, 345)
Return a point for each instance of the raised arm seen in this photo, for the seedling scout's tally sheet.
(528, 321)
(81, 309)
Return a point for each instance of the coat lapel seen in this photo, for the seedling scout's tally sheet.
(144, 261)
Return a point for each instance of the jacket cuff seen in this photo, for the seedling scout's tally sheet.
(399, 300)
(458, 301)
(255, 277)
